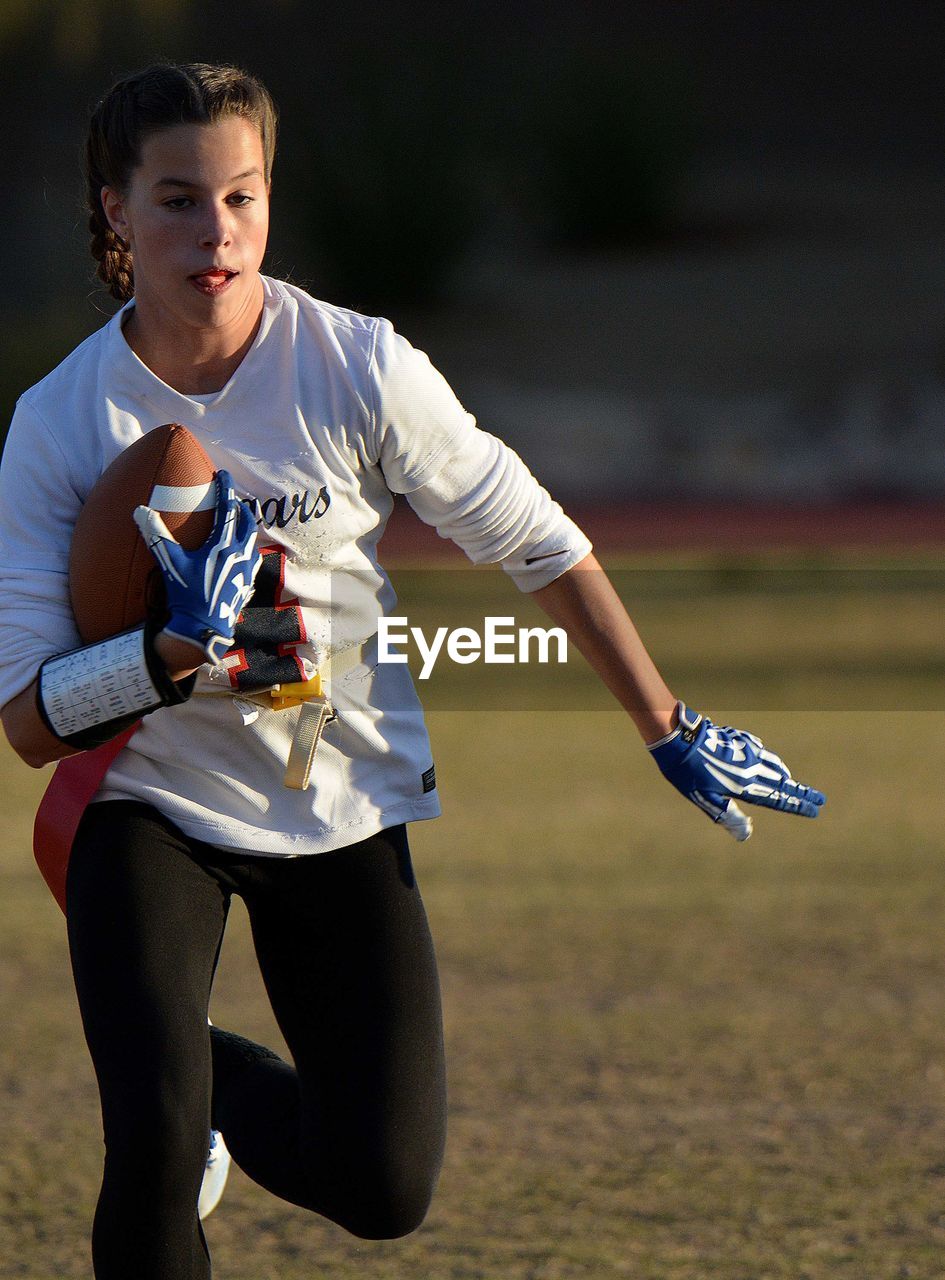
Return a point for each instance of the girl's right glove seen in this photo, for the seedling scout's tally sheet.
(712, 765)
(207, 588)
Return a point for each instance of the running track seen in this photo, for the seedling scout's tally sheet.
(651, 526)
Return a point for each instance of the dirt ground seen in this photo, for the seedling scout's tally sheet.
(671, 1057)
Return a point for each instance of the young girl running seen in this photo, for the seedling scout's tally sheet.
(319, 416)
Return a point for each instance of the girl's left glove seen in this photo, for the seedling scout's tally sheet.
(207, 588)
(712, 765)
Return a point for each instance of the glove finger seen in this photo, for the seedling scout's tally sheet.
(808, 796)
(788, 797)
(723, 810)
(735, 822)
(245, 537)
(165, 548)
(246, 531)
(816, 798)
(151, 525)
(226, 497)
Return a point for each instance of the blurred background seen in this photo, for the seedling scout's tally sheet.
(666, 250)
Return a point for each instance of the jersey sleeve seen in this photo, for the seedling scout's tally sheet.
(416, 415)
(469, 485)
(38, 509)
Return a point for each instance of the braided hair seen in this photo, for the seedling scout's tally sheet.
(159, 97)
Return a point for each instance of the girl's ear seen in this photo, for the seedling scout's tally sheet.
(113, 206)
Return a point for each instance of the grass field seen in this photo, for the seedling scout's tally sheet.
(671, 1057)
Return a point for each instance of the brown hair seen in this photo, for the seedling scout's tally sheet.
(160, 97)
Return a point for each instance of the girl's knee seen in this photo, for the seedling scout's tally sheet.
(389, 1210)
(377, 1200)
(155, 1133)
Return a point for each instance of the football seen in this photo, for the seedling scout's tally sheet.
(114, 581)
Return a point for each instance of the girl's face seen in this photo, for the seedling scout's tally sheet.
(196, 218)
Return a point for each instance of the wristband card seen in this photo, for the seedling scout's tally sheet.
(97, 684)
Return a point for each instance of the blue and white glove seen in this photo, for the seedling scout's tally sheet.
(712, 765)
(207, 588)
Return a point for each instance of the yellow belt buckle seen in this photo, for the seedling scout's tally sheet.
(293, 695)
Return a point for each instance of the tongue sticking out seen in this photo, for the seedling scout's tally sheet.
(213, 278)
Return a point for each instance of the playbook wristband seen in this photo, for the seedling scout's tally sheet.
(89, 695)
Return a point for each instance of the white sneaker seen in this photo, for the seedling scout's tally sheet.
(215, 1175)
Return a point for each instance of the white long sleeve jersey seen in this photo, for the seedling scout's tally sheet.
(329, 415)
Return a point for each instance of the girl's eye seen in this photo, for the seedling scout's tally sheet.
(239, 201)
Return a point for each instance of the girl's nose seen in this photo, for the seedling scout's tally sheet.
(216, 229)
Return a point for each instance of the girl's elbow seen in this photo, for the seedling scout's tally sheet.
(27, 735)
(23, 745)
(35, 758)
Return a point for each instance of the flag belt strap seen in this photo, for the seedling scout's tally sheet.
(315, 709)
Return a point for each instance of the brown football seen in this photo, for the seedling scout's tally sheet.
(113, 577)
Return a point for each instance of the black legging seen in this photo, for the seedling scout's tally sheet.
(354, 1130)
